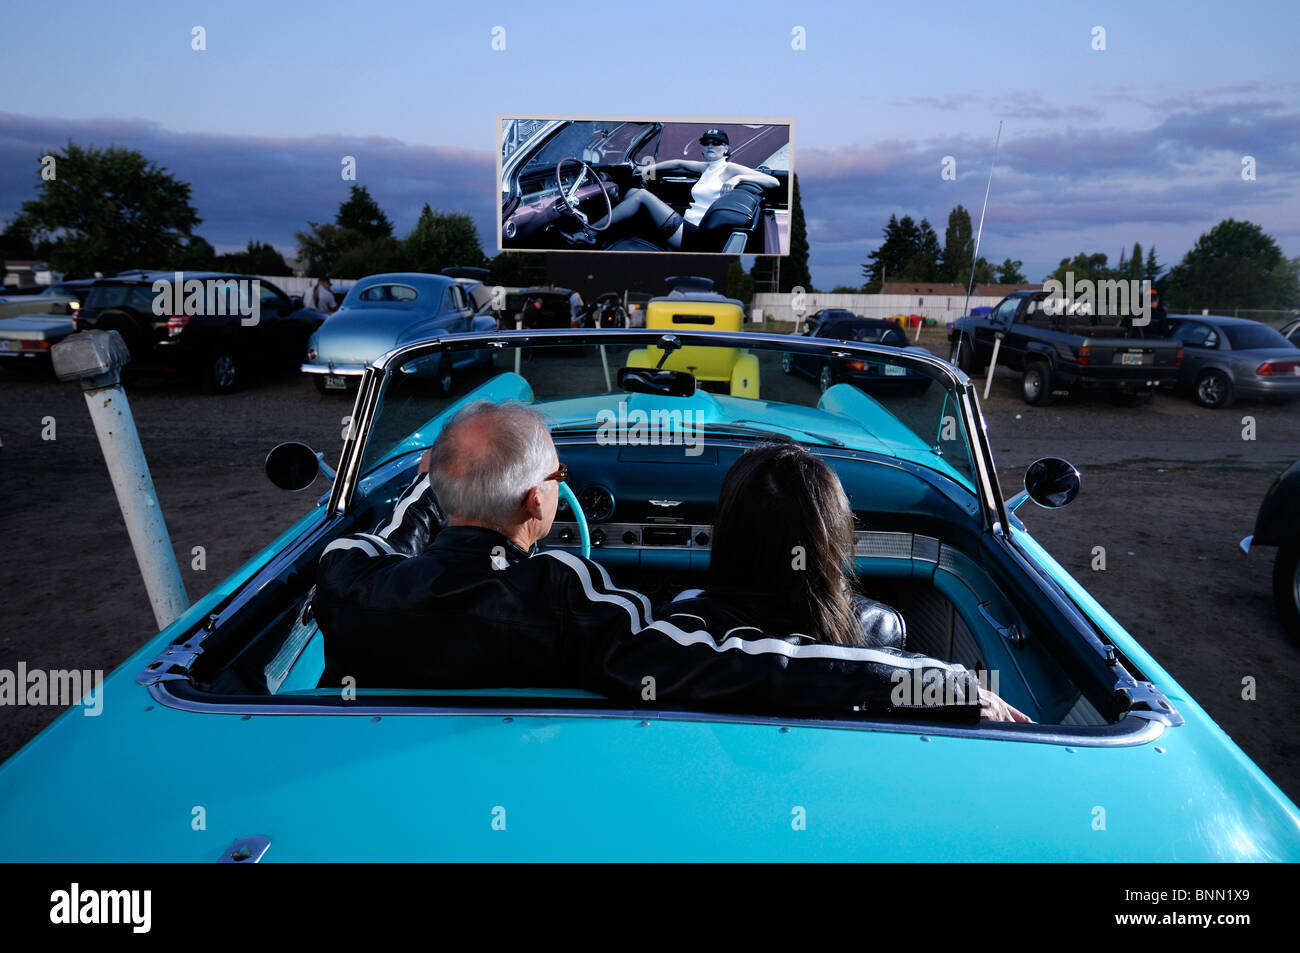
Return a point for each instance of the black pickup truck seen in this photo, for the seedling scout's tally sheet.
(1058, 352)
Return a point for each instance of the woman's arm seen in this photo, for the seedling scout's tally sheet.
(690, 165)
(740, 173)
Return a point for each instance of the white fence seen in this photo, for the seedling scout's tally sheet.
(944, 309)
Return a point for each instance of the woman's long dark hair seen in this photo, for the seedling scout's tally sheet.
(784, 526)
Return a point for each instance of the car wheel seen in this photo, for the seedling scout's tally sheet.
(965, 358)
(223, 372)
(826, 379)
(787, 362)
(1214, 390)
(1036, 385)
(1286, 587)
(444, 381)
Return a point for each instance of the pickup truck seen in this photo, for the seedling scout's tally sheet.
(1058, 352)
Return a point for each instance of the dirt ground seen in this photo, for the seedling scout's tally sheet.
(1169, 489)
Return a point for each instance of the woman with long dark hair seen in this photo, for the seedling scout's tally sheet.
(781, 564)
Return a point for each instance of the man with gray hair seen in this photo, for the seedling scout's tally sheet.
(452, 591)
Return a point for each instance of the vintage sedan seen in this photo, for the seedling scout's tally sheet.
(834, 368)
(383, 311)
(225, 709)
(1225, 359)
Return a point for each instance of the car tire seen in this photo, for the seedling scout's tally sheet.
(965, 358)
(1036, 384)
(444, 383)
(1286, 587)
(1213, 390)
(223, 371)
(787, 363)
(825, 379)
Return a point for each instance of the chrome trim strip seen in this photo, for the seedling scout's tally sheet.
(347, 370)
(1132, 731)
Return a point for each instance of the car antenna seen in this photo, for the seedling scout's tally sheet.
(975, 255)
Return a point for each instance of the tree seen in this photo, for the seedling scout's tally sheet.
(1236, 265)
(197, 255)
(372, 256)
(109, 209)
(764, 273)
(321, 246)
(1083, 266)
(256, 259)
(958, 245)
(908, 253)
(441, 240)
(517, 270)
(739, 285)
(794, 270)
(847, 290)
(1135, 265)
(1008, 273)
(362, 214)
(1153, 267)
(16, 242)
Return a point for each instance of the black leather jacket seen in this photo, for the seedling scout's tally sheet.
(418, 605)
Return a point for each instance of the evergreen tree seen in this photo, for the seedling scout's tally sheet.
(1135, 266)
(361, 213)
(958, 245)
(794, 270)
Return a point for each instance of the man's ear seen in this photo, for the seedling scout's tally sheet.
(533, 503)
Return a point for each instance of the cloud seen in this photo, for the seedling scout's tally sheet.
(250, 187)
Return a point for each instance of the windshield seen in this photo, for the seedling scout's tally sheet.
(594, 142)
(844, 398)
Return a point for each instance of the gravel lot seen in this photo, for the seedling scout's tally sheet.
(1169, 490)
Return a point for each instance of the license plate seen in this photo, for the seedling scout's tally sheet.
(336, 382)
(7, 345)
(1130, 359)
(893, 370)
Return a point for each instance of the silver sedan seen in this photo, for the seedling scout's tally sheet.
(1227, 358)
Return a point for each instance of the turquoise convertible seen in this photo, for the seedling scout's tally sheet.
(222, 710)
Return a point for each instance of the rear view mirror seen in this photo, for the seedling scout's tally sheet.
(293, 466)
(1052, 482)
(649, 380)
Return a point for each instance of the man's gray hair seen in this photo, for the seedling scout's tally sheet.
(485, 480)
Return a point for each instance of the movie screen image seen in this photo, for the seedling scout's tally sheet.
(699, 186)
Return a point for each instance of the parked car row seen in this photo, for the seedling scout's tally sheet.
(1212, 358)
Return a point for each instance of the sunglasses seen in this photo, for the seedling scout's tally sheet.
(712, 142)
(559, 475)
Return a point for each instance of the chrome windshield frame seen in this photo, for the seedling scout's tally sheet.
(959, 386)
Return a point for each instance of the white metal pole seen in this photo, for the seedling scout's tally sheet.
(519, 326)
(993, 365)
(118, 439)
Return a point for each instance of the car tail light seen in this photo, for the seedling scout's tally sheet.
(856, 365)
(28, 345)
(1085, 352)
(311, 354)
(176, 324)
(1178, 358)
(1275, 368)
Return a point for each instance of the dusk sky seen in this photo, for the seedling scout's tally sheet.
(1141, 141)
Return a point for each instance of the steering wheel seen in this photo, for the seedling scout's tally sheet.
(584, 535)
(566, 203)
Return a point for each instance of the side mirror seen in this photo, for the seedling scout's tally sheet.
(293, 466)
(1052, 482)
